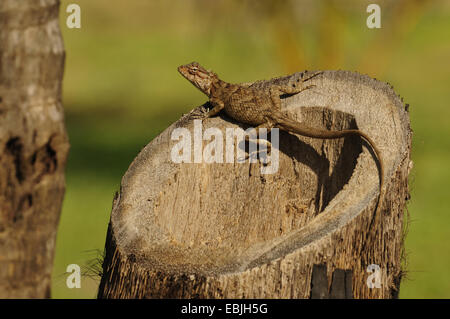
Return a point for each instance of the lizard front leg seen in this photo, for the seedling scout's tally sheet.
(218, 106)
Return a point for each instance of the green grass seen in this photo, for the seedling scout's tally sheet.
(121, 89)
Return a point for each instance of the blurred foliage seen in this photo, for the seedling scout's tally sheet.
(121, 89)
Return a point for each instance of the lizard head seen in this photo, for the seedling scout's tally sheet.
(198, 76)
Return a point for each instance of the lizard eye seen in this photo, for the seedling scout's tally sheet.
(194, 70)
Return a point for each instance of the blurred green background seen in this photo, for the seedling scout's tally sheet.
(121, 88)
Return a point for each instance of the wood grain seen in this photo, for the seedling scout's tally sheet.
(225, 230)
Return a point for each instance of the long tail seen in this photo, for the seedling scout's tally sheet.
(295, 127)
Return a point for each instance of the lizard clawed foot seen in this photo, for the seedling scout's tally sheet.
(255, 155)
(304, 88)
(310, 76)
(265, 148)
(200, 114)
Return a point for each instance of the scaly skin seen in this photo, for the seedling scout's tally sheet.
(262, 108)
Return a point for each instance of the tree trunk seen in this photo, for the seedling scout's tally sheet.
(33, 145)
(225, 230)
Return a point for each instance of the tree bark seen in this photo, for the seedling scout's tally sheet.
(33, 145)
(227, 231)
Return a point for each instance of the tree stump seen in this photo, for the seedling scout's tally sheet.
(225, 230)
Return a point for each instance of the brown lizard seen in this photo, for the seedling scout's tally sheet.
(262, 108)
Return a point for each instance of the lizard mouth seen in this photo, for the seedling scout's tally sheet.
(182, 70)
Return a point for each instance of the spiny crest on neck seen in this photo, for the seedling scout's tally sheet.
(201, 78)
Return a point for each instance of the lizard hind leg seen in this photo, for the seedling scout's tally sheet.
(264, 146)
(294, 89)
(277, 90)
(309, 77)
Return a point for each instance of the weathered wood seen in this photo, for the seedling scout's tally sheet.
(226, 231)
(33, 145)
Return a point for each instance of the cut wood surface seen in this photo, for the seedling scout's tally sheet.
(225, 230)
